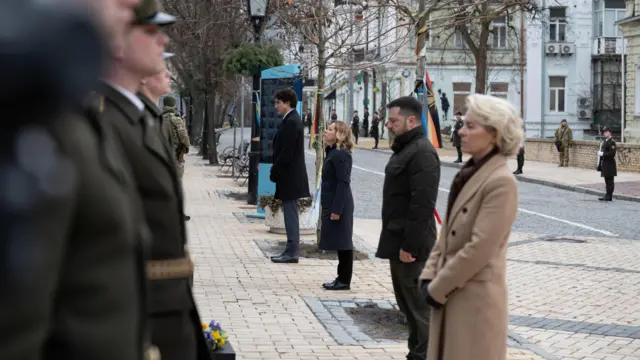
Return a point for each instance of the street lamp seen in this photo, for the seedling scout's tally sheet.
(257, 12)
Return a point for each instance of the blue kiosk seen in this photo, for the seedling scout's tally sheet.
(274, 79)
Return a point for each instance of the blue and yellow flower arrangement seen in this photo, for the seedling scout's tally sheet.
(214, 335)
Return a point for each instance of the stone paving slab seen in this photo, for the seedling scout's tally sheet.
(264, 308)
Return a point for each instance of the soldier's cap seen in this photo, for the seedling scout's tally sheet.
(606, 128)
(169, 101)
(167, 55)
(148, 13)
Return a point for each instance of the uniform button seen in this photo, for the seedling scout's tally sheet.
(453, 233)
(464, 210)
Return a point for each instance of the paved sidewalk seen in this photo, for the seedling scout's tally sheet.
(273, 311)
(548, 174)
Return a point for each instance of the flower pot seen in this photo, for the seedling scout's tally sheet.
(275, 222)
(224, 353)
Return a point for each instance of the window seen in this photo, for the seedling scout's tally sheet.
(458, 40)
(499, 33)
(499, 89)
(607, 12)
(460, 92)
(637, 95)
(556, 93)
(558, 24)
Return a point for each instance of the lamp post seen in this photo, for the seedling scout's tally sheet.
(257, 11)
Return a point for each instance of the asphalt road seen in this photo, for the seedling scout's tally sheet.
(543, 210)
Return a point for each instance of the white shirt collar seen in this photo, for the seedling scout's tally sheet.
(129, 95)
(288, 112)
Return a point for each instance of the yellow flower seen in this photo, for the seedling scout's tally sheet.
(216, 336)
(205, 326)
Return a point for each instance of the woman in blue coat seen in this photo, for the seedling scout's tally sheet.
(337, 202)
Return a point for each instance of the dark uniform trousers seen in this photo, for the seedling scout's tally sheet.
(411, 302)
(175, 325)
(609, 185)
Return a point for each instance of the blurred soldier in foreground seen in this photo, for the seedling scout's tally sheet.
(175, 325)
(72, 276)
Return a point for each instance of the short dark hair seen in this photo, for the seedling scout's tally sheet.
(563, 120)
(408, 105)
(287, 96)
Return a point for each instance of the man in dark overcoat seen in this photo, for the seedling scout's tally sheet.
(455, 136)
(173, 319)
(72, 233)
(408, 232)
(607, 163)
(289, 171)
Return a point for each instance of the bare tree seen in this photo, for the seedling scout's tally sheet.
(479, 27)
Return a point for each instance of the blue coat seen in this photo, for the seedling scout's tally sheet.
(336, 198)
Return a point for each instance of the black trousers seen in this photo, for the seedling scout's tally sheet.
(356, 134)
(174, 334)
(413, 305)
(345, 266)
(376, 139)
(459, 150)
(609, 185)
(520, 159)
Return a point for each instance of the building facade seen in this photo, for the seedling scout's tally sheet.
(574, 68)
(630, 26)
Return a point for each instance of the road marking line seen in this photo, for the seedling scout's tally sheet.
(568, 222)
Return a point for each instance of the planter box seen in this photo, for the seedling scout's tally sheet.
(224, 353)
(275, 222)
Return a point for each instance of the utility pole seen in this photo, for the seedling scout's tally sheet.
(422, 40)
(350, 73)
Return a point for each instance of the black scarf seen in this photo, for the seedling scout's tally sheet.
(464, 175)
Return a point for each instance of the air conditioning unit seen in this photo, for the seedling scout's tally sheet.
(552, 49)
(584, 114)
(584, 102)
(567, 49)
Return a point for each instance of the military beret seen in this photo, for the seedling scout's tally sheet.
(169, 101)
(148, 13)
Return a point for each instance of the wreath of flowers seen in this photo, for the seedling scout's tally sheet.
(214, 335)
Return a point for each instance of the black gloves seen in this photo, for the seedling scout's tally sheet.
(431, 301)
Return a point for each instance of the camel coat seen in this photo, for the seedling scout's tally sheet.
(467, 269)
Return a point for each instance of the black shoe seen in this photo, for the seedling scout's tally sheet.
(187, 217)
(517, 172)
(338, 285)
(605, 198)
(330, 283)
(285, 259)
(457, 161)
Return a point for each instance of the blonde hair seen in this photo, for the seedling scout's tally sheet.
(501, 118)
(344, 136)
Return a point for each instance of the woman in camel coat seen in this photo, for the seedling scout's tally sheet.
(464, 279)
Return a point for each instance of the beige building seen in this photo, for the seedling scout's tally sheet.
(631, 28)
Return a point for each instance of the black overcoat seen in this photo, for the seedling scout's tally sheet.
(289, 171)
(336, 198)
(607, 165)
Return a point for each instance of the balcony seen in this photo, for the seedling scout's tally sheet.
(607, 46)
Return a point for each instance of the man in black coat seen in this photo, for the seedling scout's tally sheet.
(174, 323)
(289, 171)
(455, 137)
(607, 163)
(409, 198)
(72, 234)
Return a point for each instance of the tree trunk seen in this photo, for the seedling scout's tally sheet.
(213, 149)
(322, 67)
(197, 124)
(481, 70)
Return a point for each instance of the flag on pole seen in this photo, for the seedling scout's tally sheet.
(430, 118)
(316, 120)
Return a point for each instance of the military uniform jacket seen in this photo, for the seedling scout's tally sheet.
(154, 170)
(607, 164)
(72, 278)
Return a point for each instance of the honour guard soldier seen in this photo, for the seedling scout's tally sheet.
(607, 163)
(173, 318)
(72, 280)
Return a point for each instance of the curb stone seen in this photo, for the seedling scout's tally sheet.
(558, 185)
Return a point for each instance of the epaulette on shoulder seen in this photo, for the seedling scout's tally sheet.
(94, 102)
